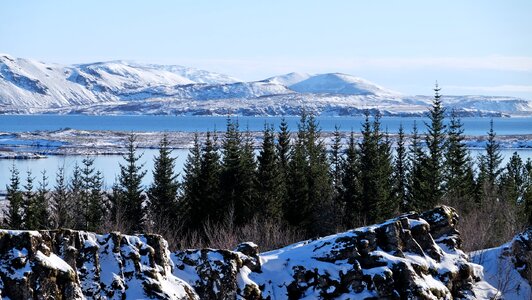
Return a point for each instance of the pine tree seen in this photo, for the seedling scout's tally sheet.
(30, 206)
(336, 161)
(349, 195)
(162, 193)
(14, 214)
(283, 146)
(527, 193)
(86, 187)
(376, 172)
(417, 185)
(75, 191)
(62, 205)
(191, 187)
(435, 139)
(269, 178)
(513, 180)
(209, 205)
(458, 169)
(130, 179)
(401, 170)
(238, 170)
(42, 204)
(489, 168)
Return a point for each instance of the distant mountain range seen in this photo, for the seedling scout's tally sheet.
(122, 87)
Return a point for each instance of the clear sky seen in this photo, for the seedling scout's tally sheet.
(470, 47)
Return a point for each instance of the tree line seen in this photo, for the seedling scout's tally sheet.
(295, 180)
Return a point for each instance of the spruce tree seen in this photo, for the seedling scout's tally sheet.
(401, 170)
(130, 179)
(162, 193)
(376, 172)
(283, 146)
(42, 203)
(527, 193)
(458, 169)
(237, 175)
(86, 187)
(349, 194)
(14, 214)
(30, 206)
(269, 178)
(513, 181)
(75, 191)
(489, 165)
(190, 184)
(417, 184)
(209, 206)
(336, 161)
(435, 139)
(62, 205)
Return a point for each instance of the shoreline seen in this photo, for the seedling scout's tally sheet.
(42, 143)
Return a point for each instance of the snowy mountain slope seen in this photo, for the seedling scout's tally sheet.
(338, 83)
(288, 79)
(122, 87)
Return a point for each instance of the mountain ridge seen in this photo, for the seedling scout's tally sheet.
(124, 87)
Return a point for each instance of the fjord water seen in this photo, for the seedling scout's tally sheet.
(22, 123)
(108, 164)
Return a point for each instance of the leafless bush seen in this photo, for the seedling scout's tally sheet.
(492, 224)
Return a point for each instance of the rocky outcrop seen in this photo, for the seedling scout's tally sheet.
(414, 256)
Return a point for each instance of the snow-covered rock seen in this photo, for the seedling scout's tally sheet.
(414, 256)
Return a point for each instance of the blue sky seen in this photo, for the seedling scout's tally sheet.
(470, 47)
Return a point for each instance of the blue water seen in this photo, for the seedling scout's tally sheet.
(20, 123)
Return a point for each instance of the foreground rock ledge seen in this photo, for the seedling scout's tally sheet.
(414, 256)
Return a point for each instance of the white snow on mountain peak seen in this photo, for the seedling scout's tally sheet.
(288, 79)
(339, 83)
(28, 86)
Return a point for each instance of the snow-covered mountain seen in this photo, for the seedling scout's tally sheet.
(122, 87)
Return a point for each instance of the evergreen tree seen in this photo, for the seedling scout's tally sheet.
(513, 181)
(269, 178)
(62, 205)
(30, 207)
(527, 192)
(75, 191)
(458, 169)
(401, 170)
(14, 214)
(162, 193)
(417, 185)
(42, 204)
(349, 194)
(283, 146)
(209, 206)
(117, 205)
(88, 184)
(336, 161)
(130, 179)
(376, 172)
(489, 168)
(191, 178)
(435, 139)
(237, 175)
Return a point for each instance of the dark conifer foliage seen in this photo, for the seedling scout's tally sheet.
(401, 170)
(458, 168)
(269, 179)
(190, 184)
(350, 188)
(163, 192)
(208, 204)
(417, 185)
(130, 179)
(434, 139)
(14, 214)
(61, 204)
